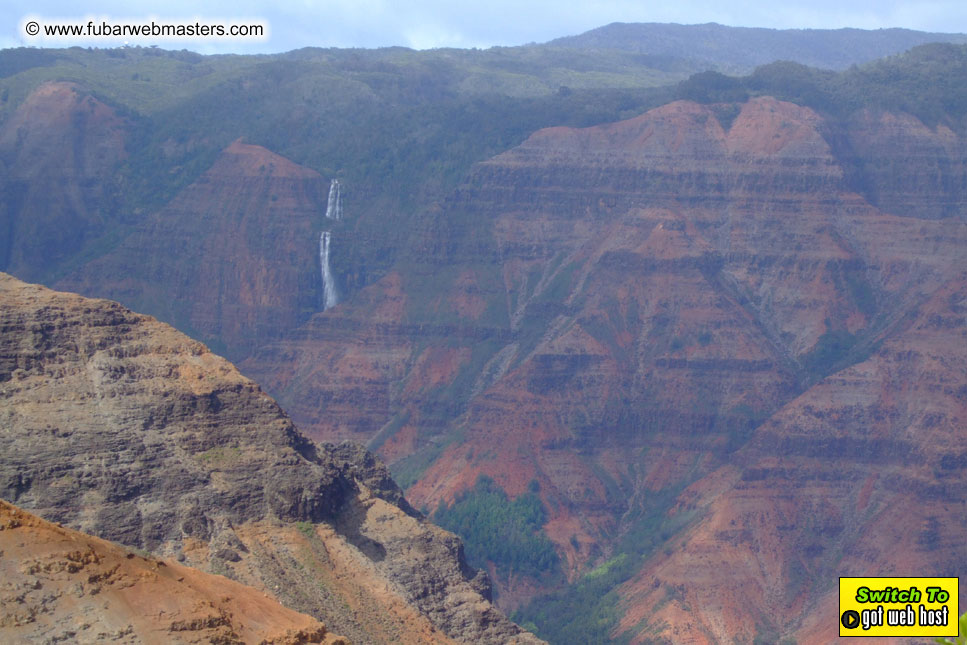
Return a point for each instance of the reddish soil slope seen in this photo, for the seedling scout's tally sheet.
(62, 585)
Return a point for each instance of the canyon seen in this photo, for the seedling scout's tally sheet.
(720, 342)
(648, 316)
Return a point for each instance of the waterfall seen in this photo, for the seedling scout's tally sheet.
(334, 205)
(330, 296)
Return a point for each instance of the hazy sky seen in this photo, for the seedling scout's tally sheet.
(448, 23)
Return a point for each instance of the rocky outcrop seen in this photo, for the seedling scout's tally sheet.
(120, 426)
(57, 152)
(62, 585)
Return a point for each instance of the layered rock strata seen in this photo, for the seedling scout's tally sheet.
(618, 312)
(117, 425)
(861, 475)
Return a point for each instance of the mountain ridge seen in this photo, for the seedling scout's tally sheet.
(168, 447)
(739, 49)
(593, 275)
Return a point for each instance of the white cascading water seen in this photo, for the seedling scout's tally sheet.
(334, 205)
(330, 296)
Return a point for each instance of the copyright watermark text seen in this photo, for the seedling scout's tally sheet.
(95, 30)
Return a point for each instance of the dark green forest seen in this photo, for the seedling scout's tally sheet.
(500, 530)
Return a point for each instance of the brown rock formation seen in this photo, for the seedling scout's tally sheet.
(116, 424)
(62, 585)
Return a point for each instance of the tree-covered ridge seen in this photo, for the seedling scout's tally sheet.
(497, 529)
(929, 82)
(734, 49)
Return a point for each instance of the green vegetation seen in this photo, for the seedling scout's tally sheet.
(767, 633)
(407, 471)
(607, 567)
(308, 529)
(713, 87)
(959, 640)
(860, 290)
(587, 611)
(832, 348)
(929, 81)
(499, 530)
(400, 128)
(736, 49)
(219, 456)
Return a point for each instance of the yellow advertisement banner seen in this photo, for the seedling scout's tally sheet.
(898, 606)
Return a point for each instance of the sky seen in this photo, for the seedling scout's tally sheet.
(425, 24)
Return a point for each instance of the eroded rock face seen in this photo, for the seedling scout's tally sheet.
(860, 475)
(120, 426)
(663, 270)
(618, 313)
(63, 585)
(905, 167)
